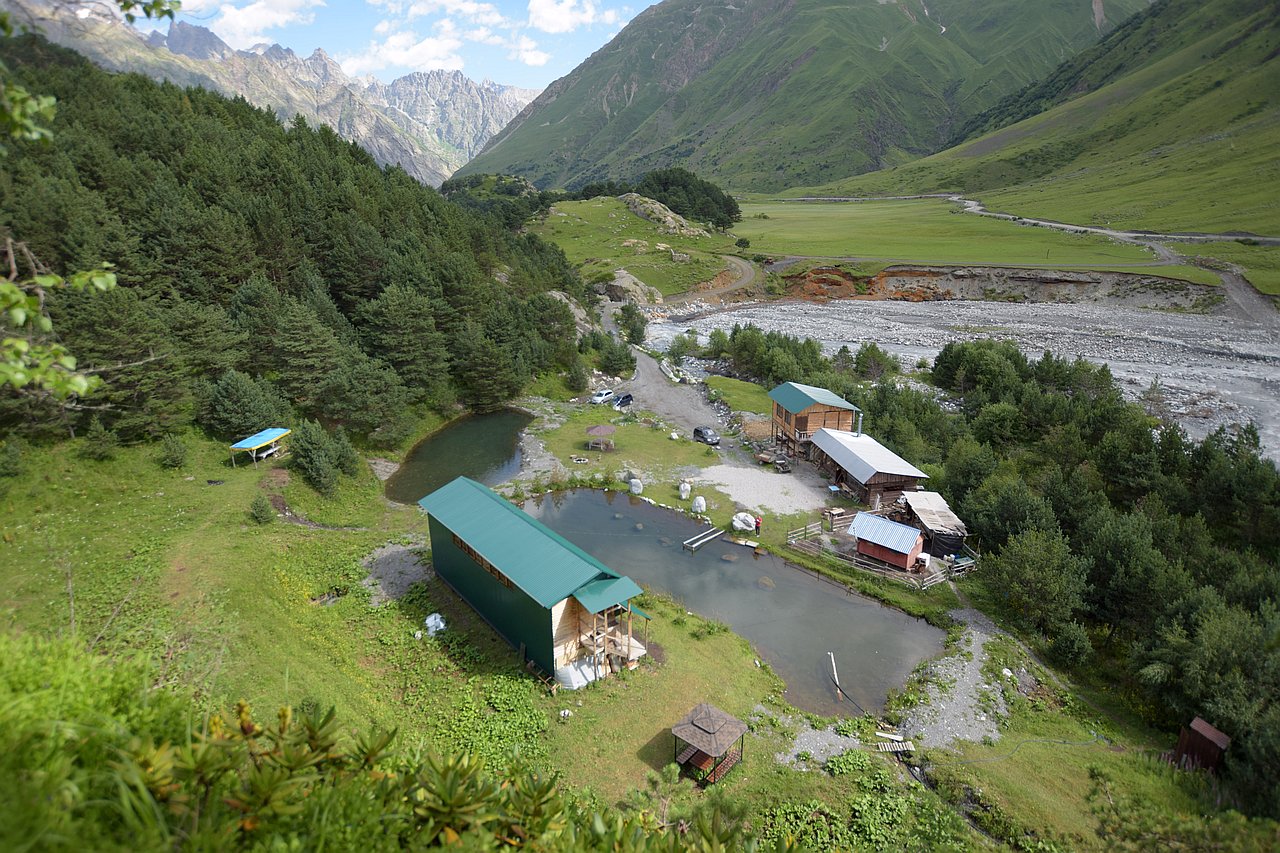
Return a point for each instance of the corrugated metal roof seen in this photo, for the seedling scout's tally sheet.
(1211, 732)
(888, 534)
(606, 592)
(863, 456)
(542, 563)
(934, 513)
(258, 439)
(795, 397)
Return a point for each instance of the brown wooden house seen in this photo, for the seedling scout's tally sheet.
(887, 541)
(1200, 747)
(801, 410)
(864, 467)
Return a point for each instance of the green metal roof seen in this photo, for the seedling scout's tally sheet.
(606, 592)
(541, 562)
(795, 397)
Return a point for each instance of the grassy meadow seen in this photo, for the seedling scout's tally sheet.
(601, 235)
(932, 231)
(127, 555)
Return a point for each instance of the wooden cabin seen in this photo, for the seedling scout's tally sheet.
(887, 541)
(569, 613)
(1200, 747)
(801, 410)
(866, 469)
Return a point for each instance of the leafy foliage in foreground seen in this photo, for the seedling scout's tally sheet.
(91, 757)
(244, 250)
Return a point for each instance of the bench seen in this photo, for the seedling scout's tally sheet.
(725, 766)
(686, 754)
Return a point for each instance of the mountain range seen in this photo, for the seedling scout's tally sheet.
(429, 123)
(766, 94)
(1172, 122)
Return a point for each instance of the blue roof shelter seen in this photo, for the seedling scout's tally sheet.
(543, 594)
(260, 445)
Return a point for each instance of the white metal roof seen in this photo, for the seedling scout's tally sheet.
(863, 456)
(934, 513)
(888, 534)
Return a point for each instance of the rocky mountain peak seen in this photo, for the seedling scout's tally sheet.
(195, 42)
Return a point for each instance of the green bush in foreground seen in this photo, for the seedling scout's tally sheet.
(261, 510)
(92, 757)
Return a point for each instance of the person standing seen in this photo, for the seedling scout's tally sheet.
(759, 522)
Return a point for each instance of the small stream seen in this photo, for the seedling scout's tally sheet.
(485, 448)
(792, 618)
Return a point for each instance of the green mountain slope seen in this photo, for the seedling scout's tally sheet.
(1175, 126)
(773, 93)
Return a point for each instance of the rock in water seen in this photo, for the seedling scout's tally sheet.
(636, 486)
(765, 582)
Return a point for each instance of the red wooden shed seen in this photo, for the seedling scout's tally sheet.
(1200, 747)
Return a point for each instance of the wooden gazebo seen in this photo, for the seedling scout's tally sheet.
(710, 741)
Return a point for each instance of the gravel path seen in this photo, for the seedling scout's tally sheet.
(763, 489)
(957, 689)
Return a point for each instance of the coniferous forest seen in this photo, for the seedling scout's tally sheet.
(262, 268)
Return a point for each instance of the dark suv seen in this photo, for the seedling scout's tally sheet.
(622, 402)
(706, 435)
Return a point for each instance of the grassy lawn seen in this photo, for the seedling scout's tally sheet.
(1261, 263)
(741, 396)
(639, 446)
(1038, 774)
(920, 231)
(602, 235)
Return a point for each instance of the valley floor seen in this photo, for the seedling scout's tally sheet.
(1212, 369)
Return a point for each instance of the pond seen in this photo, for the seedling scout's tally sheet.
(792, 618)
(485, 448)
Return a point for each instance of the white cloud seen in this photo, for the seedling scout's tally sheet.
(525, 50)
(245, 26)
(197, 7)
(485, 14)
(406, 50)
(484, 35)
(384, 26)
(565, 16)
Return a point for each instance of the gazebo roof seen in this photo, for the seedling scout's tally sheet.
(709, 729)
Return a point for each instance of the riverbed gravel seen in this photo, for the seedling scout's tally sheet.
(1212, 369)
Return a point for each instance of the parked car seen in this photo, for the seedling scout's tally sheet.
(604, 395)
(622, 402)
(706, 435)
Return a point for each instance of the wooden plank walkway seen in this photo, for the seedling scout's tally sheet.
(905, 746)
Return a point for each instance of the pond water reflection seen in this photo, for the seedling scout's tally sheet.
(485, 448)
(792, 618)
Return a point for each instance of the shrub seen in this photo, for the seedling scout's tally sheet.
(173, 452)
(1070, 645)
(848, 762)
(261, 510)
(742, 243)
(10, 458)
(577, 378)
(314, 457)
(100, 443)
(344, 455)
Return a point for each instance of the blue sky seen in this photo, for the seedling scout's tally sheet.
(517, 42)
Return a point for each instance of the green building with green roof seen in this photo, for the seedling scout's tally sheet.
(543, 594)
